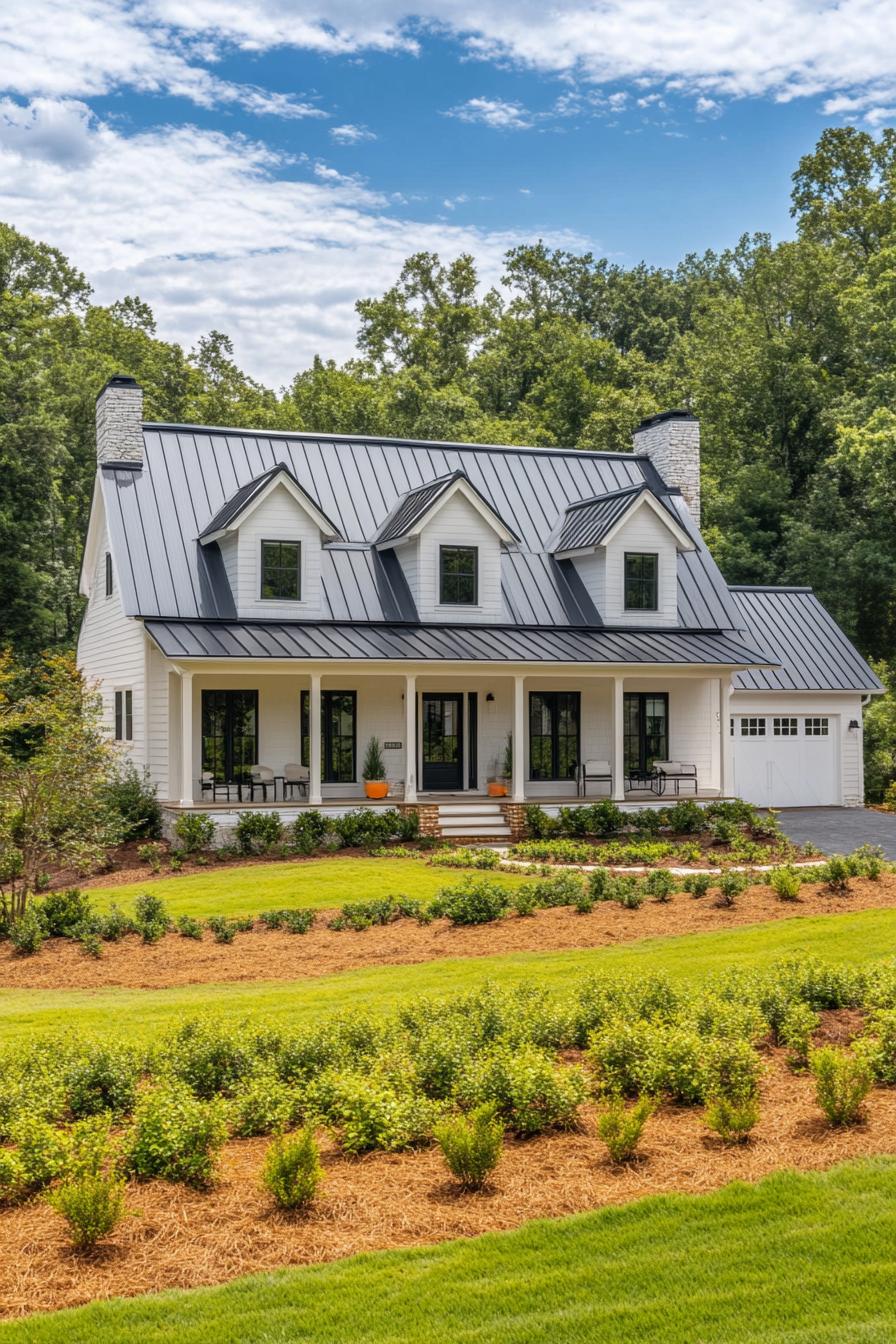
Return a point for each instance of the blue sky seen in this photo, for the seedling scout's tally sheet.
(258, 166)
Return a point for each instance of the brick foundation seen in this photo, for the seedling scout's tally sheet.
(428, 814)
(515, 816)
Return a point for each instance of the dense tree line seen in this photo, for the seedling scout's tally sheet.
(786, 352)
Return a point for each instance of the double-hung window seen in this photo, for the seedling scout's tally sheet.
(281, 571)
(124, 716)
(338, 729)
(458, 576)
(641, 581)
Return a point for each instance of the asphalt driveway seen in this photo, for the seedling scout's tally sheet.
(839, 830)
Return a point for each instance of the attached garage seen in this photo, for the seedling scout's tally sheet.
(787, 760)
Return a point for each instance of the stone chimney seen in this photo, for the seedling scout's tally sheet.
(119, 421)
(672, 442)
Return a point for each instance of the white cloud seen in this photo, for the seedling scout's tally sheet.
(47, 129)
(351, 135)
(223, 239)
(707, 107)
(493, 112)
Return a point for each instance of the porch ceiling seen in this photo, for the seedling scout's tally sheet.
(333, 641)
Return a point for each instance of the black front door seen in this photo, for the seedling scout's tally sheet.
(646, 730)
(443, 743)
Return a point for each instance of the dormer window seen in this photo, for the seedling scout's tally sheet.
(281, 571)
(458, 576)
(641, 581)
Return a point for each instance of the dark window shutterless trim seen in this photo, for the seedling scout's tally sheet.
(458, 576)
(641, 582)
(281, 571)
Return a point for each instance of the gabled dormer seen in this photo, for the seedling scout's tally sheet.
(448, 539)
(625, 547)
(270, 534)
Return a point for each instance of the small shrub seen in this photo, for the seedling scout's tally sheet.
(523, 902)
(730, 1069)
(730, 887)
(307, 832)
(723, 831)
(258, 832)
(628, 892)
(175, 1137)
(370, 1112)
(698, 884)
(361, 915)
(152, 854)
(297, 921)
(557, 890)
(600, 885)
(13, 1185)
(43, 1151)
(188, 927)
(471, 1145)
(90, 942)
(842, 1082)
(464, 857)
(660, 884)
(584, 903)
(93, 1206)
(553, 851)
(262, 1105)
(605, 818)
(620, 1127)
(869, 861)
(732, 1120)
(785, 883)
(647, 822)
(29, 932)
(474, 901)
(530, 1091)
(210, 1057)
(114, 925)
(195, 832)
(102, 1080)
(150, 917)
(292, 1171)
(798, 1022)
(132, 795)
(686, 818)
(878, 1045)
(836, 874)
(63, 912)
(222, 930)
(538, 824)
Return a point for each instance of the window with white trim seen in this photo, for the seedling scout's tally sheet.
(816, 727)
(784, 727)
(108, 574)
(124, 716)
(752, 727)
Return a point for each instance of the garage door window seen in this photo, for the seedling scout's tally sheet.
(750, 727)
(784, 727)
(816, 727)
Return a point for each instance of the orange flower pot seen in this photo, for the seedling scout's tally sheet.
(496, 790)
(376, 788)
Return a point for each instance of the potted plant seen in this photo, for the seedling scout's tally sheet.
(499, 784)
(374, 772)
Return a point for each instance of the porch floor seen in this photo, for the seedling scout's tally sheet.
(635, 796)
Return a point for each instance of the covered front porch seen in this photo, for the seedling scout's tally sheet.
(445, 738)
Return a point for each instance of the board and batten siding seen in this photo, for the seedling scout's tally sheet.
(112, 653)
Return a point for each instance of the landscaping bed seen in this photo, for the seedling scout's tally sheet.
(265, 954)
(181, 1238)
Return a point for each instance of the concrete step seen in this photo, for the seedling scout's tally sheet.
(485, 828)
(469, 809)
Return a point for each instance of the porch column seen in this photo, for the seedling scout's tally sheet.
(186, 739)
(410, 739)
(725, 735)
(314, 771)
(618, 740)
(519, 739)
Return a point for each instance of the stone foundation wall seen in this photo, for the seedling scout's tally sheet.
(515, 817)
(428, 814)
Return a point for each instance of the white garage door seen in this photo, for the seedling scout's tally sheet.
(786, 760)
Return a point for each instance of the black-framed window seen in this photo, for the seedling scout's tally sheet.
(124, 716)
(645, 729)
(338, 731)
(458, 575)
(108, 574)
(641, 581)
(281, 571)
(816, 727)
(229, 734)
(554, 731)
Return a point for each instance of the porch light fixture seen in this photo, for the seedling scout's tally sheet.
(853, 725)
(489, 697)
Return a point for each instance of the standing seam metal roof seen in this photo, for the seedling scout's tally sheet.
(811, 650)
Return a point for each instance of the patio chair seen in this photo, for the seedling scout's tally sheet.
(262, 777)
(295, 780)
(677, 772)
(208, 784)
(594, 772)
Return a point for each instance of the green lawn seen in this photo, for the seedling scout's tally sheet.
(318, 883)
(140, 1014)
(796, 1259)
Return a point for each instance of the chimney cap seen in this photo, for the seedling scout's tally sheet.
(118, 380)
(658, 419)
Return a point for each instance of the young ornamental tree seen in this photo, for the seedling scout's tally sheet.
(55, 766)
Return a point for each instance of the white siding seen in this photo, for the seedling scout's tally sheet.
(841, 708)
(458, 523)
(278, 518)
(642, 531)
(111, 652)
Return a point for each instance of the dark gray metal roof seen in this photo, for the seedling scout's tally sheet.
(157, 515)
(586, 524)
(240, 500)
(443, 643)
(812, 650)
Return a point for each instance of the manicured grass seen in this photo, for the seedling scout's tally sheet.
(796, 1259)
(140, 1014)
(320, 884)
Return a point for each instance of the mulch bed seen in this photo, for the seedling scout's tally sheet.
(179, 1238)
(273, 955)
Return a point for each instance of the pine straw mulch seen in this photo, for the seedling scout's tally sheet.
(178, 1238)
(274, 955)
